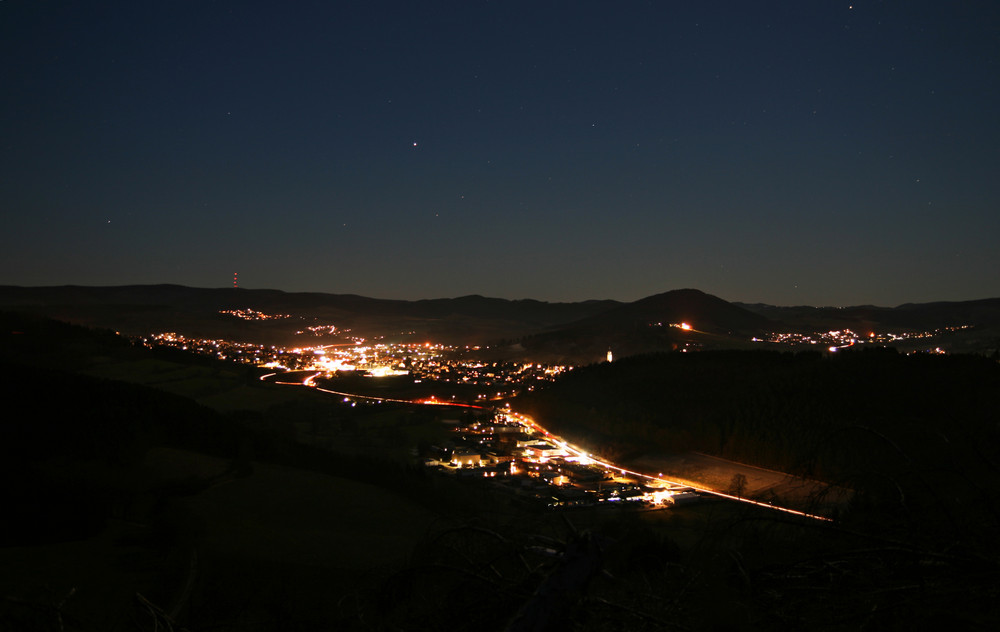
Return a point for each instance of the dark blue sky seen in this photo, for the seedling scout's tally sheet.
(825, 153)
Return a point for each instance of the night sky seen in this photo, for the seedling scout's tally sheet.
(822, 153)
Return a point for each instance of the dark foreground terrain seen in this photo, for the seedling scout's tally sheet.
(129, 507)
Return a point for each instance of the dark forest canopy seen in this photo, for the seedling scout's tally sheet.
(847, 418)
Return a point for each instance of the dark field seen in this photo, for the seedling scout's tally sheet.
(136, 508)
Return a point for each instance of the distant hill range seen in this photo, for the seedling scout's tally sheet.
(199, 312)
(655, 323)
(912, 316)
(513, 328)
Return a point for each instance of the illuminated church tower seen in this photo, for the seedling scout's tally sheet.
(609, 355)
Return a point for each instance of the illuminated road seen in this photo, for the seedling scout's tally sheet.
(526, 421)
(310, 381)
(530, 423)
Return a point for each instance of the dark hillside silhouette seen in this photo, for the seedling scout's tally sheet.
(645, 326)
(918, 433)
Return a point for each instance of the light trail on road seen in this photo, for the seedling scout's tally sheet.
(531, 424)
(310, 382)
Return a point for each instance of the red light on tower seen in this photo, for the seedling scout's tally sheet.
(236, 283)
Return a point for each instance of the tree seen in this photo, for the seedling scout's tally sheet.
(738, 485)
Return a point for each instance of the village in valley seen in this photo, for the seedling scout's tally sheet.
(516, 456)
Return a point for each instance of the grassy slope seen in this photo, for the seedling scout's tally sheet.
(285, 548)
(245, 547)
(220, 387)
(278, 523)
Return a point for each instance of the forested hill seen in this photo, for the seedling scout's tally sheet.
(849, 418)
(206, 312)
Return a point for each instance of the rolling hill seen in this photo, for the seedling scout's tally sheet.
(579, 332)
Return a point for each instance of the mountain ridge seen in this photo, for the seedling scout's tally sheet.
(584, 329)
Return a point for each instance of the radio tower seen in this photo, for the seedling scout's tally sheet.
(236, 283)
